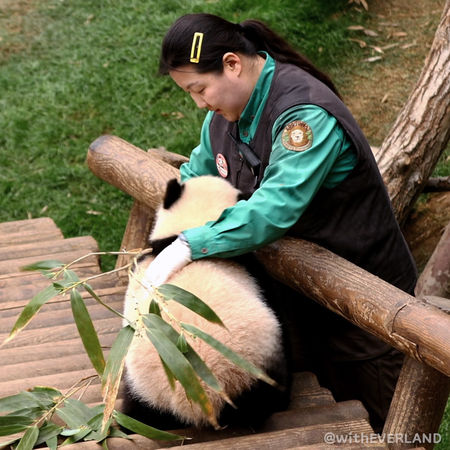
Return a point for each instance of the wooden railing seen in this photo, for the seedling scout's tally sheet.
(417, 328)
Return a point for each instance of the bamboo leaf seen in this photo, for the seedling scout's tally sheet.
(31, 309)
(43, 265)
(47, 432)
(143, 429)
(154, 308)
(189, 300)
(52, 443)
(76, 414)
(182, 344)
(14, 424)
(178, 365)
(113, 370)
(170, 376)
(196, 362)
(29, 439)
(87, 331)
(230, 354)
(115, 432)
(99, 300)
(23, 400)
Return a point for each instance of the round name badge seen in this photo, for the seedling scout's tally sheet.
(222, 165)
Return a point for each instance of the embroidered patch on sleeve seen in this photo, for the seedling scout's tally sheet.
(297, 136)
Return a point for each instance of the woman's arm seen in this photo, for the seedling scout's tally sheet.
(290, 182)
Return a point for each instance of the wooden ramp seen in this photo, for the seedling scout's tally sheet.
(49, 352)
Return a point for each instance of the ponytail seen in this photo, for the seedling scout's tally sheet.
(219, 36)
(279, 49)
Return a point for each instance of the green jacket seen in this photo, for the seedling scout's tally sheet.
(290, 180)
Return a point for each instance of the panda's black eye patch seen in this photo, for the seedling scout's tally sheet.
(173, 193)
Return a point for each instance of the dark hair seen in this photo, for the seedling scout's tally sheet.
(221, 36)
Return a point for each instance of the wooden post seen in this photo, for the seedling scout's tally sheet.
(421, 394)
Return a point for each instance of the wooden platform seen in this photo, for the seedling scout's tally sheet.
(49, 352)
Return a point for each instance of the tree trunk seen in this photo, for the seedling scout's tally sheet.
(421, 132)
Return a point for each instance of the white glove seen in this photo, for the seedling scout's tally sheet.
(174, 257)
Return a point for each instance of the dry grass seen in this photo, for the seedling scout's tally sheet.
(376, 91)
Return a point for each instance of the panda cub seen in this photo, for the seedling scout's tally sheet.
(252, 328)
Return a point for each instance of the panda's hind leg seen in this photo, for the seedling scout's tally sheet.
(140, 410)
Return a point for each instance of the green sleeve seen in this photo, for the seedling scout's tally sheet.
(201, 161)
(290, 181)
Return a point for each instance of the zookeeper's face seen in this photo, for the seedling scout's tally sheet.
(225, 93)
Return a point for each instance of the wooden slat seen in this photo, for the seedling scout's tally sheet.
(61, 333)
(30, 227)
(47, 247)
(65, 257)
(285, 439)
(14, 307)
(31, 353)
(50, 317)
(24, 288)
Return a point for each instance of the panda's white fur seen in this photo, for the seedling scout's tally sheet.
(252, 330)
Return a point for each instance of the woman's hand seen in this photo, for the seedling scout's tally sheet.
(174, 257)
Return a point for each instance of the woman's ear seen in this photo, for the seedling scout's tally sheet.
(232, 62)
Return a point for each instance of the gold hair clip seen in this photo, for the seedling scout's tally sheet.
(196, 44)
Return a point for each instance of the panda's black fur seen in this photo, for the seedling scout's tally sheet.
(258, 399)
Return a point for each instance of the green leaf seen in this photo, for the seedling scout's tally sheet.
(39, 397)
(31, 309)
(189, 300)
(230, 354)
(143, 429)
(170, 376)
(43, 265)
(29, 439)
(14, 424)
(194, 359)
(113, 370)
(182, 344)
(115, 432)
(47, 432)
(87, 331)
(52, 443)
(154, 308)
(99, 300)
(69, 279)
(78, 417)
(70, 432)
(76, 414)
(178, 364)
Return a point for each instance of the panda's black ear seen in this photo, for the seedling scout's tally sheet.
(173, 193)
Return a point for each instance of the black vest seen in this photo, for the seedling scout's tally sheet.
(355, 219)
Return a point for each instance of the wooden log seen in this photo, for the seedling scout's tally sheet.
(421, 393)
(421, 131)
(360, 297)
(107, 160)
(435, 278)
(136, 235)
(141, 216)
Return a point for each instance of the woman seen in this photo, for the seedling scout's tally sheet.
(278, 130)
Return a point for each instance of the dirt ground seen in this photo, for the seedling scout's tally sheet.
(376, 92)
